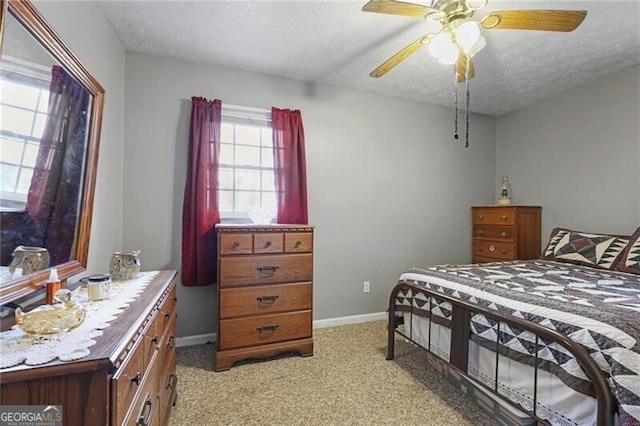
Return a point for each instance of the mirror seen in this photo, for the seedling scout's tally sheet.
(51, 117)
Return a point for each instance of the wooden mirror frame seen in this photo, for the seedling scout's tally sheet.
(25, 12)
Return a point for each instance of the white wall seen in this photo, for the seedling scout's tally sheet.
(578, 155)
(388, 187)
(83, 26)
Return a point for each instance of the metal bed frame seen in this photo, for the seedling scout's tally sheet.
(459, 350)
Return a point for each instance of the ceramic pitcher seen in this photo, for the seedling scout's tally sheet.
(30, 259)
(125, 265)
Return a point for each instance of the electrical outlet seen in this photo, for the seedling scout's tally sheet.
(366, 287)
(463, 388)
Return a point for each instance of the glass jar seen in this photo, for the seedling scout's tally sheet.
(98, 287)
(504, 195)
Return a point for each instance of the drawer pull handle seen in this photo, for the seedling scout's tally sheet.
(175, 299)
(144, 418)
(235, 245)
(267, 299)
(492, 248)
(137, 378)
(267, 269)
(504, 234)
(480, 217)
(503, 251)
(267, 244)
(173, 380)
(504, 217)
(167, 314)
(298, 244)
(171, 342)
(156, 339)
(269, 328)
(479, 248)
(479, 232)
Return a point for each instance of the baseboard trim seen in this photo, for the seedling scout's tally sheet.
(198, 339)
(201, 339)
(352, 319)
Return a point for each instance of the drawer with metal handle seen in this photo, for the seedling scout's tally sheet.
(501, 233)
(489, 216)
(267, 269)
(267, 299)
(493, 249)
(259, 330)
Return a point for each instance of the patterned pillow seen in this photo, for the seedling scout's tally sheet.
(582, 248)
(630, 259)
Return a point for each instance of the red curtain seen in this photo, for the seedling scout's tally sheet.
(200, 211)
(290, 166)
(52, 202)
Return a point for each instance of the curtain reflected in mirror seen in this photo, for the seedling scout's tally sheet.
(50, 108)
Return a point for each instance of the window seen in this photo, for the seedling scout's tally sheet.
(246, 178)
(23, 108)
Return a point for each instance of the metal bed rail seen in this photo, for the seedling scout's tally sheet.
(461, 334)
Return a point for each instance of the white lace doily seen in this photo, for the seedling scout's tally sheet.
(17, 347)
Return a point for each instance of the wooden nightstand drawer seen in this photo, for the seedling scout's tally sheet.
(298, 242)
(498, 233)
(268, 243)
(267, 299)
(494, 216)
(236, 243)
(127, 382)
(259, 330)
(236, 271)
(493, 249)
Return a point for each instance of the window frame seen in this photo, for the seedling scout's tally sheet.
(247, 116)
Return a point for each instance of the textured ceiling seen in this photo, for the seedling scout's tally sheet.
(335, 43)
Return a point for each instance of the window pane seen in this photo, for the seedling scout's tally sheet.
(247, 156)
(248, 179)
(267, 136)
(30, 155)
(269, 201)
(225, 178)
(225, 199)
(12, 151)
(267, 157)
(268, 180)
(17, 120)
(245, 200)
(40, 123)
(226, 154)
(9, 176)
(43, 105)
(248, 135)
(19, 95)
(25, 181)
(226, 133)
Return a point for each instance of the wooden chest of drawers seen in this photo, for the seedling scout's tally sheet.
(129, 378)
(265, 287)
(505, 233)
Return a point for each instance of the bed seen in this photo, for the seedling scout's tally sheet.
(558, 337)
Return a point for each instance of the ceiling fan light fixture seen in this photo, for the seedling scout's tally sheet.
(444, 49)
(467, 34)
(476, 4)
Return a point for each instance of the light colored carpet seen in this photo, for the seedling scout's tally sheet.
(347, 381)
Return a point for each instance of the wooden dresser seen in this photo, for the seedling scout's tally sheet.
(129, 378)
(505, 233)
(265, 287)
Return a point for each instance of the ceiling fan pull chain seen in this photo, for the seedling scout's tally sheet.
(467, 98)
(455, 105)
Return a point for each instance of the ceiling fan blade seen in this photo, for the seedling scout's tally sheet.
(403, 54)
(393, 7)
(542, 20)
(461, 67)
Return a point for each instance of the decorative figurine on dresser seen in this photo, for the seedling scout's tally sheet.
(507, 232)
(265, 286)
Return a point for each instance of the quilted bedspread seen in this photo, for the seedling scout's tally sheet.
(597, 308)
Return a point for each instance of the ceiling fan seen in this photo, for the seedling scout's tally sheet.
(460, 37)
